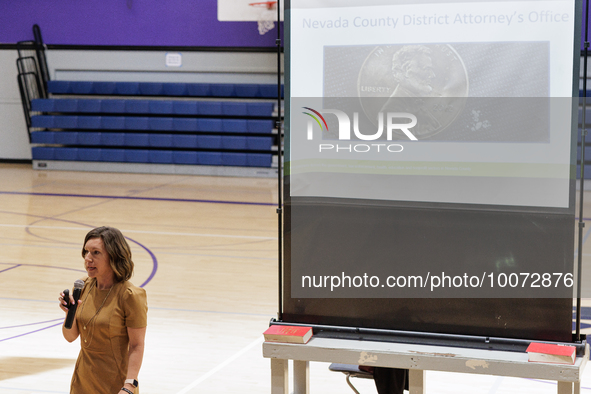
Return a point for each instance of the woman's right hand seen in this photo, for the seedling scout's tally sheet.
(64, 302)
(72, 333)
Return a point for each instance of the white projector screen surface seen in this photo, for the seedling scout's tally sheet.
(489, 86)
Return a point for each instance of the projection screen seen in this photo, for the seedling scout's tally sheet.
(430, 159)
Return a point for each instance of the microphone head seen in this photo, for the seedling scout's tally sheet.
(78, 284)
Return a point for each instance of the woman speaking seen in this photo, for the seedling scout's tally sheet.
(111, 318)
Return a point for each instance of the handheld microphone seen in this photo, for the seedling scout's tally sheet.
(78, 285)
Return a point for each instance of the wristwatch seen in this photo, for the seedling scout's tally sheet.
(133, 382)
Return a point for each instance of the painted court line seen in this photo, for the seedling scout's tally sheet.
(220, 366)
(145, 232)
(138, 198)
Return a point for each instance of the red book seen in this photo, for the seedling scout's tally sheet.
(289, 334)
(549, 353)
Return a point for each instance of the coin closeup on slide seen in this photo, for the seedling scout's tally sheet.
(429, 81)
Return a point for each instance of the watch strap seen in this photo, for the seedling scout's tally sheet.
(133, 382)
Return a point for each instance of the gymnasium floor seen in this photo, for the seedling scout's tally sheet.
(205, 250)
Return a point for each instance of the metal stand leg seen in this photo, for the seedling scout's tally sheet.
(279, 376)
(301, 377)
(565, 388)
(416, 381)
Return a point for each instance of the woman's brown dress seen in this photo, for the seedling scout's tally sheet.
(102, 320)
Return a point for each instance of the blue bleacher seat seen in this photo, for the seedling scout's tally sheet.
(247, 90)
(43, 153)
(89, 154)
(184, 141)
(81, 87)
(90, 122)
(42, 137)
(65, 122)
(115, 106)
(66, 137)
(259, 160)
(69, 154)
(104, 87)
(137, 155)
(209, 158)
(260, 126)
(136, 139)
(234, 159)
(234, 109)
(259, 143)
(231, 142)
(151, 88)
(210, 108)
(89, 105)
(184, 124)
(161, 107)
(160, 156)
(223, 90)
(113, 139)
(175, 89)
(127, 88)
(113, 155)
(137, 106)
(183, 157)
(160, 124)
(209, 124)
(113, 122)
(42, 105)
(58, 87)
(161, 140)
(235, 125)
(199, 89)
(43, 121)
(260, 109)
(269, 90)
(136, 123)
(185, 107)
(89, 138)
(209, 141)
(65, 105)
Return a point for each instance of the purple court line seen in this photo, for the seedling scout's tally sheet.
(32, 324)
(42, 266)
(32, 332)
(8, 269)
(553, 383)
(140, 198)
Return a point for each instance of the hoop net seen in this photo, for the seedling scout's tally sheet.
(267, 17)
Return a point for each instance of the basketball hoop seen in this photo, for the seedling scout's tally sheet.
(268, 15)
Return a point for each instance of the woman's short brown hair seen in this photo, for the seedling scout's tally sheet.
(117, 248)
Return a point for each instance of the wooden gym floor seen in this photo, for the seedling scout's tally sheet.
(205, 250)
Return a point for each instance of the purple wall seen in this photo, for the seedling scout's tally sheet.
(126, 22)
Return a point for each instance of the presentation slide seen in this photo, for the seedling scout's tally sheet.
(438, 102)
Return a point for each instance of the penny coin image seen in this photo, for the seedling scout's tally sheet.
(429, 81)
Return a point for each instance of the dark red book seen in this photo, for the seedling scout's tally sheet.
(289, 334)
(550, 353)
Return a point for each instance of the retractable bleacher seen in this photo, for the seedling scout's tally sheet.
(192, 128)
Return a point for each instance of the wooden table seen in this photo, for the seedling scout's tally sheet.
(416, 358)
